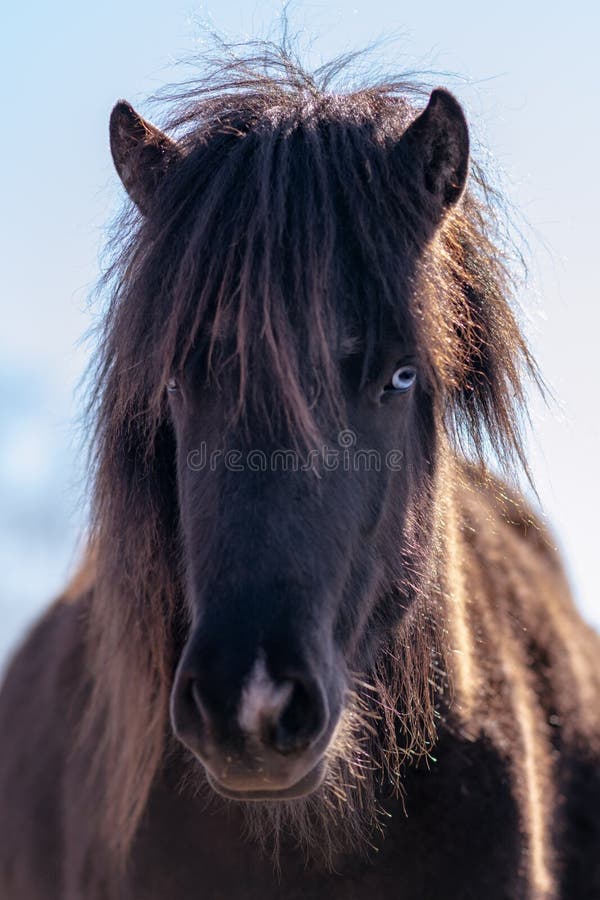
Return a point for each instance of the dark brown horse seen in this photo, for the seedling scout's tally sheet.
(304, 592)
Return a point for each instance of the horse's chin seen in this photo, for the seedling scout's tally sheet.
(302, 788)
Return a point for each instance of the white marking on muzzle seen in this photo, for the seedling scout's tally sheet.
(262, 700)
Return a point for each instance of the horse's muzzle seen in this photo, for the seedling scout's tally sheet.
(261, 739)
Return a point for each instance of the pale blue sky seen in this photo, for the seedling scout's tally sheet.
(528, 77)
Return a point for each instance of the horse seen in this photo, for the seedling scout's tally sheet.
(316, 647)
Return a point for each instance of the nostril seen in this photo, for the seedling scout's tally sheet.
(194, 695)
(301, 720)
(189, 716)
(195, 703)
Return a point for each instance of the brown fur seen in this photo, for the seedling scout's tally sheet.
(490, 656)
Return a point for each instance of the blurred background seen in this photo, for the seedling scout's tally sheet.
(527, 76)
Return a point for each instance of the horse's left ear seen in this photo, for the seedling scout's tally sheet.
(141, 153)
(438, 141)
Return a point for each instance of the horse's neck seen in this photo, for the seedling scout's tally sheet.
(470, 537)
(455, 602)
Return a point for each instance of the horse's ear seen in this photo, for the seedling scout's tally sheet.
(141, 153)
(438, 141)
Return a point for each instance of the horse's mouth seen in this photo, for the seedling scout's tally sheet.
(302, 788)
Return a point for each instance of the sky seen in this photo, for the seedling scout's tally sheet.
(527, 76)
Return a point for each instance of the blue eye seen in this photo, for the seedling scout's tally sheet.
(402, 380)
(172, 385)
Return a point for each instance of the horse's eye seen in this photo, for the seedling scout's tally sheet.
(172, 385)
(402, 380)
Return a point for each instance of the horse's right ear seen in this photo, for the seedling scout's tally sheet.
(141, 153)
